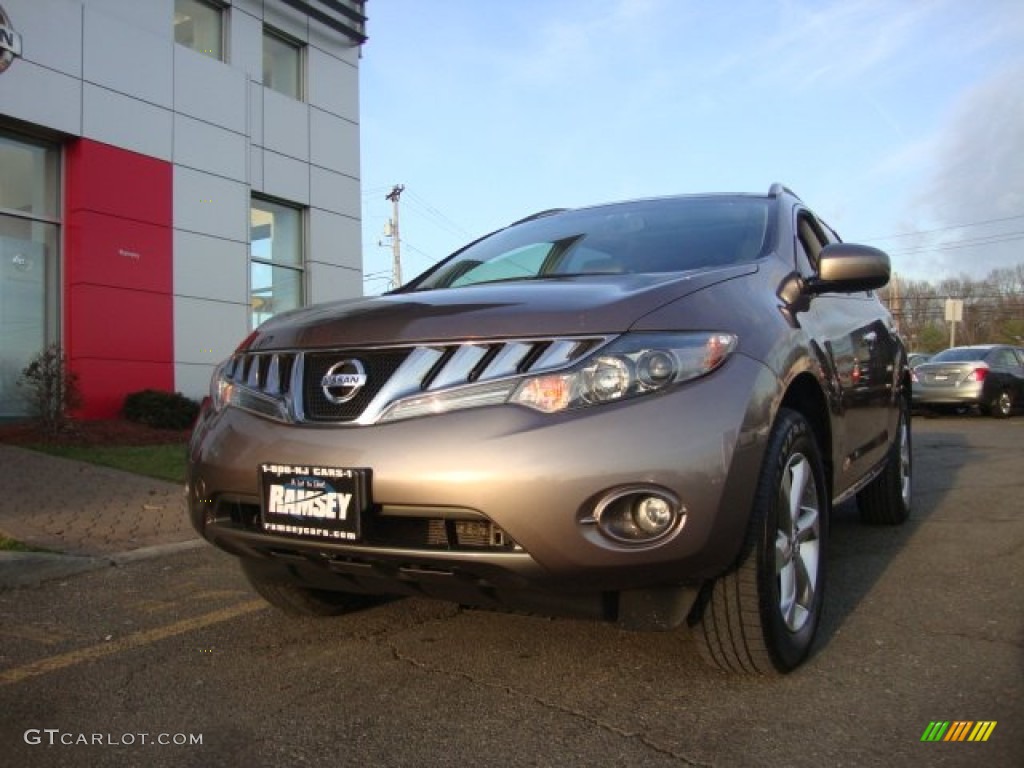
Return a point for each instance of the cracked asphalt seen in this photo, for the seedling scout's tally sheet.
(923, 623)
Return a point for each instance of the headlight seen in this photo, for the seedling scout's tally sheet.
(225, 391)
(220, 386)
(632, 365)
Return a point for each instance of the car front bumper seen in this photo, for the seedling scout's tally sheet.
(536, 478)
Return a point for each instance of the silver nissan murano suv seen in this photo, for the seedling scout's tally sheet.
(642, 412)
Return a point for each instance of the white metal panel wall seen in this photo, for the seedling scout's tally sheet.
(285, 125)
(126, 122)
(44, 86)
(147, 15)
(56, 46)
(285, 177)
(60, 110)
(209, 90)
(331, 240)
(207, 267)
(211, 149)
(127, 59)
(332, 191)
(333, 84)
(330, 283)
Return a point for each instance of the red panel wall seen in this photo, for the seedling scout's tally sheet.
(118, 304)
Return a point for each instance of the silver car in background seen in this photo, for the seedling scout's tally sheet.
(641, 412)
(988, 376)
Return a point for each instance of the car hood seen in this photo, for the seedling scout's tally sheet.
(566, 306)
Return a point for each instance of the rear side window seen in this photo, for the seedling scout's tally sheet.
(1005, 358)
(651, 236)
(958, 355)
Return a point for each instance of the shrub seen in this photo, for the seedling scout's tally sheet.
(52, 389)
(162, 410)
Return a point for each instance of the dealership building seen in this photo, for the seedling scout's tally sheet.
(172, 173)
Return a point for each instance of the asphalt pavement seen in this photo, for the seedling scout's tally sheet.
(84, 516)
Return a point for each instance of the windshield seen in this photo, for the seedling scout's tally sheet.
(649, 236)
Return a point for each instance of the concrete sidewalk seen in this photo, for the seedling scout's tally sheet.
(90, 515)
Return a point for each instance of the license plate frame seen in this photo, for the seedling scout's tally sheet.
(310, 501)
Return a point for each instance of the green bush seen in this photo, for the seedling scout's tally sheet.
(162, 410)
(52, 389)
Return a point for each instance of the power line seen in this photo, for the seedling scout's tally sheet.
(439, 218)
(941, 229)
(1007, 237)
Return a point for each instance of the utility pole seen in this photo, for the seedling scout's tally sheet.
(894, 300)
(396, 241)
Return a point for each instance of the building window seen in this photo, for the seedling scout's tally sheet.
(29, 279)
(275, 259)
(282, 64)
(199, 25)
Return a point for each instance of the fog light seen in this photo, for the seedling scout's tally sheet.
(638, 515)
(652, 515)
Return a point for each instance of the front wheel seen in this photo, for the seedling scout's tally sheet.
(761, 617)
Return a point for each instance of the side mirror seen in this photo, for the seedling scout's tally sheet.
(849, 268)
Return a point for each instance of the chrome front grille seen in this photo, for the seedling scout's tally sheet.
(294, 379)
(380, 365)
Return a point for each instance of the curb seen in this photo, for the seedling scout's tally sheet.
(30, 569)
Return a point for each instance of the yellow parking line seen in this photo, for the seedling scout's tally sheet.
(134, 640)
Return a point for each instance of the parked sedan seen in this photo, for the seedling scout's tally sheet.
(989, 376)
(641, 412)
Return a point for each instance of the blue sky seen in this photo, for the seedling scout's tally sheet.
(895, 119)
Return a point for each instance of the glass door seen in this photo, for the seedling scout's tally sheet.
(29, 280)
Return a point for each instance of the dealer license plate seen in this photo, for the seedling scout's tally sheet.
(320, 502)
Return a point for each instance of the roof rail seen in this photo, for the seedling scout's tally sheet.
(539, 215)
(778, 189)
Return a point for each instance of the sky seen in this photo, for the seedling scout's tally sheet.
(899, 122)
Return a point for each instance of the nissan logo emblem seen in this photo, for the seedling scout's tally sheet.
(10, 41)
(343, 381)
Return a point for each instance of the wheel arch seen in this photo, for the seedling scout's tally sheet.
(804, 395)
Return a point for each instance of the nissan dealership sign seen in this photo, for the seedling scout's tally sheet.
(10, 41)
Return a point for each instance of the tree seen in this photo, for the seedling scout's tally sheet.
(993, 309)
(52, 389)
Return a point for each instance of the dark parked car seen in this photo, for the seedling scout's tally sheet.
(989, 376)
(641, 412)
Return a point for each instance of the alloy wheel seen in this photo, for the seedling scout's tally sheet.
(797, 542)
(905, 463)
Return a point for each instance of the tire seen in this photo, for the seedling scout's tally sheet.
(761, 617)
(1000, 406)
(293, 599)
(886, 500)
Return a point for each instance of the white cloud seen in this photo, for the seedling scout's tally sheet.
(978, 176)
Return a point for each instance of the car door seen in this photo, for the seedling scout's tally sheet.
(1006, 374)
(1018, 372)
(864, 351)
